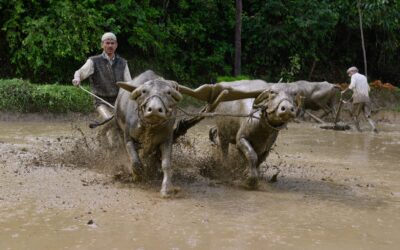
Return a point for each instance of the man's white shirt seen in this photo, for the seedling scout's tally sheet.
(359, 86)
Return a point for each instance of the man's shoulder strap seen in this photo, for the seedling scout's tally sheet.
(96, 57)
(118, 57)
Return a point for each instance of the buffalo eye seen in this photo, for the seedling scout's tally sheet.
(144, 91)
(169, 92)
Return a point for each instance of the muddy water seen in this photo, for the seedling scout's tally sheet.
(335, 190)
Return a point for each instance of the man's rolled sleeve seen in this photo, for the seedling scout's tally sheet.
(85, 71)
(353, 82)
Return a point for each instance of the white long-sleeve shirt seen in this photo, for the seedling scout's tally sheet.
(359, 86)
(88, 69)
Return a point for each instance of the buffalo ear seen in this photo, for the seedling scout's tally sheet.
(176, 95)
(261, 99)
(299, 99)
(127, 86)
(173, 84)
(175, 90)
(136, 93)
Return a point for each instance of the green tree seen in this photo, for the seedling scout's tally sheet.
(192, 41)
(46, 37)
(275, 31)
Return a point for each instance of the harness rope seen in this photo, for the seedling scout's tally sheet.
(141, 107)
(277, 128)
(95, 96)
(217, 114)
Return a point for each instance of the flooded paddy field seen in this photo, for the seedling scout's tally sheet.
(334, 190)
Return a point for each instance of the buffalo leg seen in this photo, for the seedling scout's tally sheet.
(166, 151)
(136, 165)
(252, 160)
(212, 135)
(185, 124)
(224, 147)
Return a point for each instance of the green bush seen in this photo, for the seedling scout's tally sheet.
(17, 95)
(61, 99)
(232, 78)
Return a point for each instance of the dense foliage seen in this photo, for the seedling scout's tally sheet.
(193, 41)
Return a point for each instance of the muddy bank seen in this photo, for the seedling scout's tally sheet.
(60, 189)
(378, 115)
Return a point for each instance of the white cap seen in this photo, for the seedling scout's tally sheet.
(352, 69)
(108, 35)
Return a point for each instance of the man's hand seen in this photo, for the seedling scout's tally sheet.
(76, 82)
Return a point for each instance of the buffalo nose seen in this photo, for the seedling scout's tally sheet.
(287, 110)
(155, 110)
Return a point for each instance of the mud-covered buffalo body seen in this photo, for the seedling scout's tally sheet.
(253, 136)
(145, 112)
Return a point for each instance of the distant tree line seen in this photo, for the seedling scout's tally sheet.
(193, 41)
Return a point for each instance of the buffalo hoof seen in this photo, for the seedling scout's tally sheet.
(137, 173)
(136, 177)
(171, 192)
(251, 183)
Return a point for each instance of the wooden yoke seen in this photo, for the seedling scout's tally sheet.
(187, 123)
(213, 94)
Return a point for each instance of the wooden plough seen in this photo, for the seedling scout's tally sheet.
(336, 124)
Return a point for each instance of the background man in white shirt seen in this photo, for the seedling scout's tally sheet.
(104, 71)
(361, 102)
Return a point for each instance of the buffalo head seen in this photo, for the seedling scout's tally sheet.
(277, 106)
(156, 99)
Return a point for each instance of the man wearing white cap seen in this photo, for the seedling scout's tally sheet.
(104, 71)
(361, 102)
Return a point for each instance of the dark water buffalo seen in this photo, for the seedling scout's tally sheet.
(317, 95)
(145, 111)
(255, 136)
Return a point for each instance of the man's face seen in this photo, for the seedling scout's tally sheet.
(350, 73)
(109, 46)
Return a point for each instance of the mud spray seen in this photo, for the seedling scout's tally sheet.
(193, 159)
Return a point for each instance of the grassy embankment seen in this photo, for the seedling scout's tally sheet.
(398, 94)
(386, 99)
